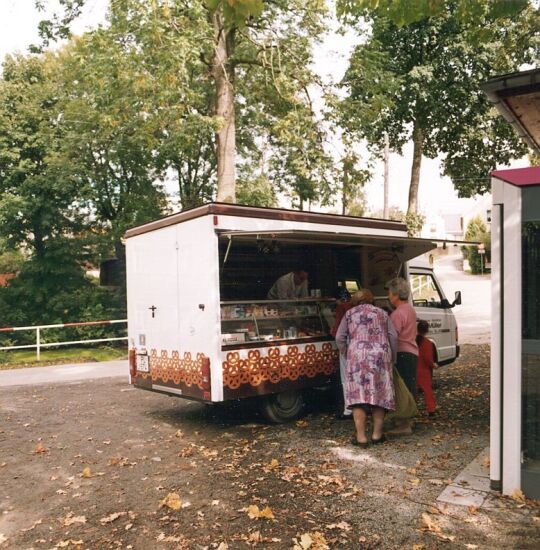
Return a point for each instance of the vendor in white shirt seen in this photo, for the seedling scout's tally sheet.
(290, 286)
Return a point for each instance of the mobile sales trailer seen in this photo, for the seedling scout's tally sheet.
(200, 325)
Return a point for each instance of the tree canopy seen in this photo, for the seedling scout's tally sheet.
(420, 82)
(178, 102)
(405, 12)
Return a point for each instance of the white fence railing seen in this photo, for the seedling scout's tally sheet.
(39, 344)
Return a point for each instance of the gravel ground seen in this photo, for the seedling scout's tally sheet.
(101, 465)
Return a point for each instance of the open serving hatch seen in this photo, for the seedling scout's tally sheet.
(404, 248)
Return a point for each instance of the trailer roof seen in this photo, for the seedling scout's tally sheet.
(222, 209)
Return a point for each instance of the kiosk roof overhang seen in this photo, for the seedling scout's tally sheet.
(517, 97)
(521, 177)
(405, 247)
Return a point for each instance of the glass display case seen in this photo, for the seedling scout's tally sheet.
(251, 322)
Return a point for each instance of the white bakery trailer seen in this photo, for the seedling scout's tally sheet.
(515, 342)
(200, 325)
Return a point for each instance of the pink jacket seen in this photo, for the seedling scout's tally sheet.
(404, 320)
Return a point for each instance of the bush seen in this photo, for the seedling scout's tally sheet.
(477, 231)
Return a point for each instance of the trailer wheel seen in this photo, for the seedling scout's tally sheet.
(283, 407)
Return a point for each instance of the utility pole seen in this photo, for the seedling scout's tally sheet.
(386, 182)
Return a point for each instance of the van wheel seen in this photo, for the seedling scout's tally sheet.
(282, 407)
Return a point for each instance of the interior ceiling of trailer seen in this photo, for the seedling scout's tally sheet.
(405, 247)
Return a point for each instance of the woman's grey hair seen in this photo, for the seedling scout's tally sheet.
(400, 287)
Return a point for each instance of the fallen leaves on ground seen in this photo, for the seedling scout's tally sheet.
(40, 448)
(71, 519)
(311, 541)
(162, 537)
(87, 472)
(172, 501)
(111, 517)
(343, 526)
(431, 525)
(69, 542)
(254, 513)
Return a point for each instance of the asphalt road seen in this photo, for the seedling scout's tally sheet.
(70, 372)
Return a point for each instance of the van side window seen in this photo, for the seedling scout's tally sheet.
(424, 290)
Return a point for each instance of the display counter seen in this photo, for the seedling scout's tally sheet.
(269, 322)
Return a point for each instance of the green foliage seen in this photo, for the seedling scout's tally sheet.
(358, 207)
(258, 191)
(11, 261)
(351, 180)
(404, 12)
(425, 77)
(154, 60)
(25, 358)
(88, 135)
(394, 213)
(414, 223)
(477, 231)
(475, 228)
(41, 206)
(237, 12)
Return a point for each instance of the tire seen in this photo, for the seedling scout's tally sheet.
(282, 407)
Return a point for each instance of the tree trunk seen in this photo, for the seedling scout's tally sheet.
(223, 74)
(418, 141)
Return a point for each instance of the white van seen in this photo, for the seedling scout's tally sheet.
(432, 306)
(200, 325)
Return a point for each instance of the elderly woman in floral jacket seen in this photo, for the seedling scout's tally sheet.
(368, 339)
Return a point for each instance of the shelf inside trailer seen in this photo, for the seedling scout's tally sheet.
(285, 320)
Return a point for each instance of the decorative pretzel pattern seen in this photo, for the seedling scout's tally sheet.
(275, 367)
(164, 368)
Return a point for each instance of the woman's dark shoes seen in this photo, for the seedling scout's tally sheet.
(381, 439)
(361, 444)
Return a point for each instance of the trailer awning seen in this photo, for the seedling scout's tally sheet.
(405, 248)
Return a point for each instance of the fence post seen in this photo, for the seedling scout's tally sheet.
(38, 343)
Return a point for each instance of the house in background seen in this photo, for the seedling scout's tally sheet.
(452, 226)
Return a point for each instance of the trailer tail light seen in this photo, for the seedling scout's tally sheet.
(206, 380)
(457, 335)
(132, 357)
